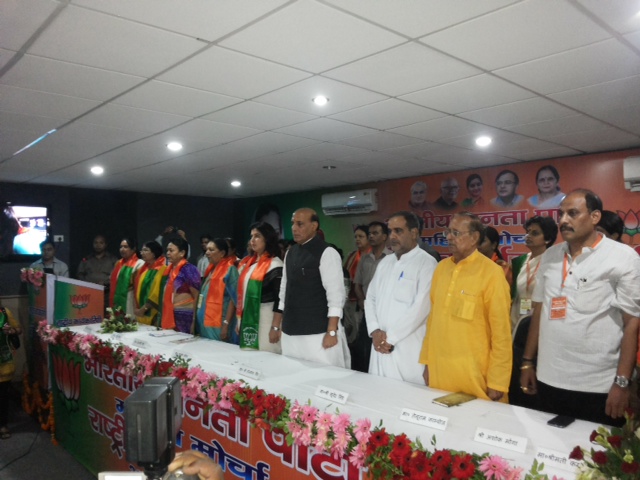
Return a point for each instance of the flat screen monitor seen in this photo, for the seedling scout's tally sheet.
(22, 229)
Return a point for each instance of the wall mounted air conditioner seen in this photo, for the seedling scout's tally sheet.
(349, 203)
(631, 173)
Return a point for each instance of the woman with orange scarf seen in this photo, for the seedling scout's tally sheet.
(352, 314)
(258, 291)
(147, 281)
(121, 285)
(215, 315)
(181, 285)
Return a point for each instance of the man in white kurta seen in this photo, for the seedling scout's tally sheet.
(398, 303)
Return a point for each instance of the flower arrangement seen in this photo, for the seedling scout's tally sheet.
(386, 455)
(619, 456)
(118, 321)
(33, 276)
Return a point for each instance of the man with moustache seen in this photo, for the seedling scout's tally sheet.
(397, 303)
(312, 295)
(467, 347)
(584, 327)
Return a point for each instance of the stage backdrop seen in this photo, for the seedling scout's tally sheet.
(504, 203)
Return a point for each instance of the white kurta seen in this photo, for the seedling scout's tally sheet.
(398, 303)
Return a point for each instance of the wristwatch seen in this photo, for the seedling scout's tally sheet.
(332, 333)
(621, 381)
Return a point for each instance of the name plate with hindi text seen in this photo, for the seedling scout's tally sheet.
(501, 439)
(425, 419)
(332, 394)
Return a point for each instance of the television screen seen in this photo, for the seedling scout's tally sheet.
(22, 229)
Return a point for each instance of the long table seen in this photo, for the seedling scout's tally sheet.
(93, 422)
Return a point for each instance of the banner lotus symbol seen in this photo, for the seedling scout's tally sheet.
(67, 376)
(80, 301)
(631, 222)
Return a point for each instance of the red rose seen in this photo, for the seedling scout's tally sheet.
(462, 467)
(615, 441)
(576, 454)
(592, 437)
(600, 458)
(441, 458)
(632, 467)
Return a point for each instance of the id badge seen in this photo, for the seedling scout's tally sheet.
(558, 309)
(525, 306)
(200, 300)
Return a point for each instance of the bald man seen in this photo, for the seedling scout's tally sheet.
(312, 294)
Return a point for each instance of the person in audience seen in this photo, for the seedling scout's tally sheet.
(202, 261)
(467, 347)
(121, 282)
(232, 250)
(181, 288)
(449, 189)
(418, 202)
(584, 326)
(8, 326)
(258, 309)
(549, 194)
(361, 348)
(474, 187)
(424, 245)
(541, 234)
(215, 317)
(312, 295)
(507, 183)
(352, 313)
(170, 232)
(489, 248)
(192, 462)
(611, 225)
(147, 282)
(397, 303)
(97, 267)
(49, 263)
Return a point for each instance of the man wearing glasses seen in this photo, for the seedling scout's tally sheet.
(467, 347)
(449, 190)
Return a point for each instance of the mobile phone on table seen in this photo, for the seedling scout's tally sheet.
(561, 421)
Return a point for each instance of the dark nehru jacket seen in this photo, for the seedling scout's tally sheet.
(305, 306)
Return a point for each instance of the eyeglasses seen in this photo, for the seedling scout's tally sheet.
(505, 182)
(454, 233)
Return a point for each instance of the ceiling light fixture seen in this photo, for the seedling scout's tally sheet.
(320, 100)
(97, 170)
(174, 146)
(236, 183)
(483, 141)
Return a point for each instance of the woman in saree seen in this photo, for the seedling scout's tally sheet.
(180, 288)
(215, 316)
(146, 283)
(121, 284)
(258, 290)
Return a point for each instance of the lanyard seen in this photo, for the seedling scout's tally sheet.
(531, 278)
(565, 264)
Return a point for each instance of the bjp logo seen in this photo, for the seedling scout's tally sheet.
(631, 222)
(80, 301)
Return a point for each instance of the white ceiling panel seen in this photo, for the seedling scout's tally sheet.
(402, 70)
(597, 63)
(471, 93)
(388, 114)
(627, 118)
(90, 38)
(230, 73)
(421, 151)
(558, 126)
(518, 33)
(602, 97)
(606, 137)
(28, 123)
(519, 113)
(634, 38)
(258, 116)
(315, 51)
(20, 19)
(68, 78)
(380, 141)
(546, 154)
(441, 128)
(326, 130)
(119, 116)
(13, 140)
(41, 104)
(499, 138)
(319, 152)
(211, 133)
(5, 56)
(621, 15)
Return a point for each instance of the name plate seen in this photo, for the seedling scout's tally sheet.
(249, 372)
(140, 343)
(116, 337)
(425, 419)
(332, 394)
(500, 439)
(557, 459)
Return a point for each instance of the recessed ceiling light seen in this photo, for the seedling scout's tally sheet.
(174, 146)
(97, 170)
(329, 167)
(236, 183)
(483, 141)
(320, 100)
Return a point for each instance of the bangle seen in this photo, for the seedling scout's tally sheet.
(226, 322)
(524, 359)
(275, 329)
(526, 367)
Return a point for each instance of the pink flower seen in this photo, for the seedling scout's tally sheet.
(325, 420)
(305, 436)
(308, 414)
(358, 456)
(515, 474)
(320, 440)
(198, 374)
(494, 467)
(340, 444)
(341, 423)
(362, 431)
(295, 411)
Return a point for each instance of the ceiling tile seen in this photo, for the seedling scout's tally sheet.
(13, 140)
(320, 152)
(602, 97)
(231, 73)
(380, 141)
(90, 38)
(498, 137)
(325, 129)
(546, 154)
(402, 70)
(441, 128)
(387, 114)
(31, 102)
(416, 18)
(259, 116)
(418, 151)
(315, 51)
(5, 56)
(211, 133)
(471, 93)
(53, 76)
(119, 116)
(550, 128)
(29, 123)
(622, 16)
(519, 113)
(596, 63)
(634, 38)
(19, 20)
(627, 118)
(518, 33)
(592, 141)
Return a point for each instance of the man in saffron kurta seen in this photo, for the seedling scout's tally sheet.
(468, 342)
